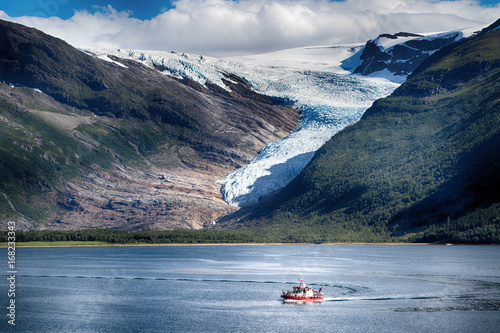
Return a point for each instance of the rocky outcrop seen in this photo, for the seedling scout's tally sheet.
(400, 53)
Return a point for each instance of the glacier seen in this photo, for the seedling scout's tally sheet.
(328, 103)
(315, 80)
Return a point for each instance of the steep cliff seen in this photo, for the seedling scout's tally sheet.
(400, 54)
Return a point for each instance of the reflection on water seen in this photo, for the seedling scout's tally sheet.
(218, 289)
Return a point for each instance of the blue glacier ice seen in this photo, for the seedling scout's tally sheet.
(328, 97)
(328, 102)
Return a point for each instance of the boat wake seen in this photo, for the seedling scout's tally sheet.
(185, 279)
(345, 289)
(334, 293)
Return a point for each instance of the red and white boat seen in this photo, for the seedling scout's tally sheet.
(303, 292)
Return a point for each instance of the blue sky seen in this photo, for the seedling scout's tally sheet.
(228, 27)
(143, 9)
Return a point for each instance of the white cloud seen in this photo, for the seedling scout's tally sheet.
(224, 27)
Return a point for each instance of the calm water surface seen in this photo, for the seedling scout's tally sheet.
(372, 288)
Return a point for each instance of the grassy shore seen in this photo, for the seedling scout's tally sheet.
(61, 243)
(97, 243)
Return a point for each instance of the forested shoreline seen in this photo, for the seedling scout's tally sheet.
(456, 232)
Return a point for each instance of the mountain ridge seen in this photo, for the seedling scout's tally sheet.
(145, 149)
(321, 66)
(421, 157)
(401, 53)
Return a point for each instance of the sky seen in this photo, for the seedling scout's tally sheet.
(230, 27)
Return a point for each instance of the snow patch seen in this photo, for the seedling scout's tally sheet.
(385, 43)
(105, 57)
(387, 75)
(201, 69)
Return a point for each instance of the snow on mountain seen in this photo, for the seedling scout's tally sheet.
(395, 56)
(315, 58)
(311, 79)
(196, 67)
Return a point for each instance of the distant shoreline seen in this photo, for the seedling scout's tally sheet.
(24, 245)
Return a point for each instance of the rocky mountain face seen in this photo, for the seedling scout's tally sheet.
(90, 143)
(401, 53)
(427, 155)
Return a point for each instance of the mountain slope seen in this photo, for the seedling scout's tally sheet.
(427, 154)
(316, 80)
(112, 143)
(396, 56)
(329, 99)
(401, 53)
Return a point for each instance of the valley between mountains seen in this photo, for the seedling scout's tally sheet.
(287, 142)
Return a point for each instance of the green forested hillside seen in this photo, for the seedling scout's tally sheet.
(428, 155)
(38, 157)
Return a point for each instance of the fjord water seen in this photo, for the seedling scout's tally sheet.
(368, 288)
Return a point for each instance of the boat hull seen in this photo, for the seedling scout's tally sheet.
(303, 299)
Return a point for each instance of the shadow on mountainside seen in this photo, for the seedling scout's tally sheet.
(476, 184)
